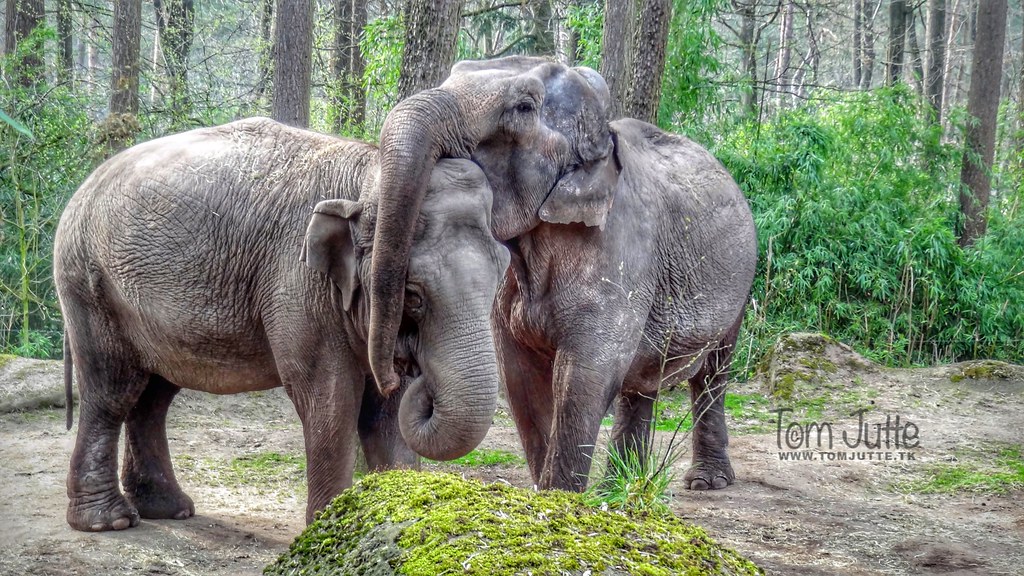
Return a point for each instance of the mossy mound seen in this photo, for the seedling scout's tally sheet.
(29, 384)
(420, 523)
(803, 365)
(986, 370)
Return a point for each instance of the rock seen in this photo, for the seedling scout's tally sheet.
(802, 363)
(422, 523)
(29, 384)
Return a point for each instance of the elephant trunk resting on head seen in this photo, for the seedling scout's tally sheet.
(178, 265)
(633, 254)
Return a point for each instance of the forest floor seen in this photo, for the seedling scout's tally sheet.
(956, 508)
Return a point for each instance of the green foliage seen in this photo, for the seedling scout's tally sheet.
(855, 222)
(382, 44)
(690, 92)
(415, 523)
(37, 176)
(587, 20)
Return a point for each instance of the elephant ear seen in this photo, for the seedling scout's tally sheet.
(584, 194)
(330, 247)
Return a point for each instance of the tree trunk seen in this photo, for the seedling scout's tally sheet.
(785, 51)
(936, 56)
(348, 65)
(124, 85)
(1018, 157)
(431, 31)
(983, 106)
(567, 40)
(293, 62)
(543, 30)
(643, 94)
(65, 53)
(175, 25)
(868, 62)
(915, 52)
(897, 38)
(23, 16)
(265, 50)
(748, 49)
(858, 20)
(617, 51)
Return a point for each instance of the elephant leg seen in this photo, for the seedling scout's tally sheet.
(110, 386)
(710, 467)
(633, 419)
(326, 388)
(147, 474)
(382, 441)
(584, 389)
(526, 379)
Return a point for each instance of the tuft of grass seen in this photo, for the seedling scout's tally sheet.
(634, 483)
(1006, 473)
(265, 472)
(484, 458)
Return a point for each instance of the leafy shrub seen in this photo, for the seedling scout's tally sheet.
(855, 219)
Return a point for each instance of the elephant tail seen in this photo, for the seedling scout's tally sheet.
(69, 400)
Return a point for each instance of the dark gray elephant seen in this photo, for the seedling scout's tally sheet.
(178, 265)
(633, 253)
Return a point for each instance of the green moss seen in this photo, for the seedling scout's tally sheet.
(819, 364)
(784, 384)
(417, 523)
(984, 370)
(996, 474)
(6, 359)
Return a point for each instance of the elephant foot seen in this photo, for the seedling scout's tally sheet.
(159, 502)
(709, 475)
(110, 511)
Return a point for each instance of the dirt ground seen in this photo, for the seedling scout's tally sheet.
(837, 517)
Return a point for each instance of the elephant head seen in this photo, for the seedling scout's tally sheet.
(454, 268)
(538, 130)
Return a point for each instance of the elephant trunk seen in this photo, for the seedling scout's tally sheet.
(421, 129)
(447, 411)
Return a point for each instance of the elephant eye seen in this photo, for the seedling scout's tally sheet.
(525, 107)
(413, 300)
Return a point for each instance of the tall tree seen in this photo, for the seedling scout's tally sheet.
(65, 53)
(867, 68)
(983, 106)
(567, 38)
(748, 49)
(936, 30)
(348, 64)
(293, 62)
(265, 50)
(858, 25)
(175, 25)
(124, 83)
(897, 40)
(643, 94)
(616, 51)
(916, 62)
(431, 29)
(785, 48)
(24, 16)
(543, 24)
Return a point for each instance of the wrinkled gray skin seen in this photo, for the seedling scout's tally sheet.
(178, 266)
(633, 253)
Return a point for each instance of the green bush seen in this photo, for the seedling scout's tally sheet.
(855, 217)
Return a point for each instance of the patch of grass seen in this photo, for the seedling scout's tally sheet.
(633, 483)
(264, 471)
(1005, 473)
(484, 458)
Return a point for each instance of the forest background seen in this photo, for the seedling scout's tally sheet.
(880, 142)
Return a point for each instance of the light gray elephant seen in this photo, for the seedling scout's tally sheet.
(178, 265)
(633, 254)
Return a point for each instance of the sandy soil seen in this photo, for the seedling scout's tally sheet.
(802, 517)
